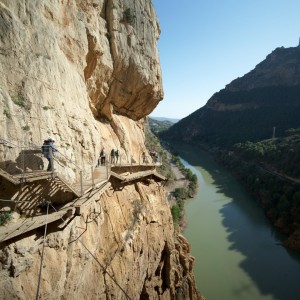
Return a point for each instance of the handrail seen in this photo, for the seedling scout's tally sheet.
(5, 142)
(37, 147)
(69, 160)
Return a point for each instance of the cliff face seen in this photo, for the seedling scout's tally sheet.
(281, 67)
(121, 246)
(71, 67)
(87, 72)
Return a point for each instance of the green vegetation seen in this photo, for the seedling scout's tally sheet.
(180, 194)
(128, 16)
(281, 154)
(5, 217)
(159, 126)
(249, 116)
(26, 128)
(270, 171)
(6, 113)
(192, 178)
(176, 214)
(177, 210)
(19, 100)
(153, 144)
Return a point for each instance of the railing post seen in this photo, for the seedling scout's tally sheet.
(51, 160)
(23, 163)
(93, 183)
(81, 183)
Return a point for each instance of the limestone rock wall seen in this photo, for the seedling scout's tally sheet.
(87, 73)
(122, 245)
(70, 68)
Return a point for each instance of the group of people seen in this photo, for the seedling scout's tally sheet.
(114, 157)
(48, 149)
(154, 156)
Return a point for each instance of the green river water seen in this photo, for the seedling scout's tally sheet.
(237, 251)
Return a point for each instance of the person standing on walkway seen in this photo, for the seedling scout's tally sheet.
(102, 157)
(116, 156)
(112, 156)
(144, 157)
(48, 150)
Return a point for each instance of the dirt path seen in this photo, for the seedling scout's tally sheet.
(179, 182)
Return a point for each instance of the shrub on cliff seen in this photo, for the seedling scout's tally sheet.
(5, 216)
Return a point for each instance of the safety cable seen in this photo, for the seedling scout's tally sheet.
(95, 258)
(42, 257)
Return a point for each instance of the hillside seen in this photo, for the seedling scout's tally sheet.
(249, 107)
(159, 125)
(270, 171)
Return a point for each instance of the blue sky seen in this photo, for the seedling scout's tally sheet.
(204, 45)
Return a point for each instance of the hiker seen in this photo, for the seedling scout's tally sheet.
(48, 150)
(156, 157)
(112, 156)
(144, 157)
(152, 154)
(102, 157)
(116, 156)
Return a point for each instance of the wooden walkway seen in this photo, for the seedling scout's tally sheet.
(99, 175)
(91, 190)
(65, 213)
(137, 176)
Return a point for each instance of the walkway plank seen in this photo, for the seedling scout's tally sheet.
(8, 177)
(28, 224)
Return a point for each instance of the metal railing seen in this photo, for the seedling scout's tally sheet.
(29, 161)
(17, 160)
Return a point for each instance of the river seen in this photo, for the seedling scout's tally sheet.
(237, 251)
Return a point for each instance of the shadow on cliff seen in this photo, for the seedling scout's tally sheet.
(275, 270)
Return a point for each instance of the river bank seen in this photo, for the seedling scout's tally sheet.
(179, 182)
(278, 197)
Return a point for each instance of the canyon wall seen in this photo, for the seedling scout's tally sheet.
(121, 247)
(70, 68)
(87, 73)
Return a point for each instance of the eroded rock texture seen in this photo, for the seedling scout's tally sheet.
(123, 245)
(87, 73)
(67, 66)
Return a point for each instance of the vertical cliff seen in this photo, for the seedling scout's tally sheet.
(121, 247)
(86, 73)
(70, 68)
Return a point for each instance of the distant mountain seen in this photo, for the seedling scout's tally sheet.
(157, 126)
(165, 119)
(250, 108)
